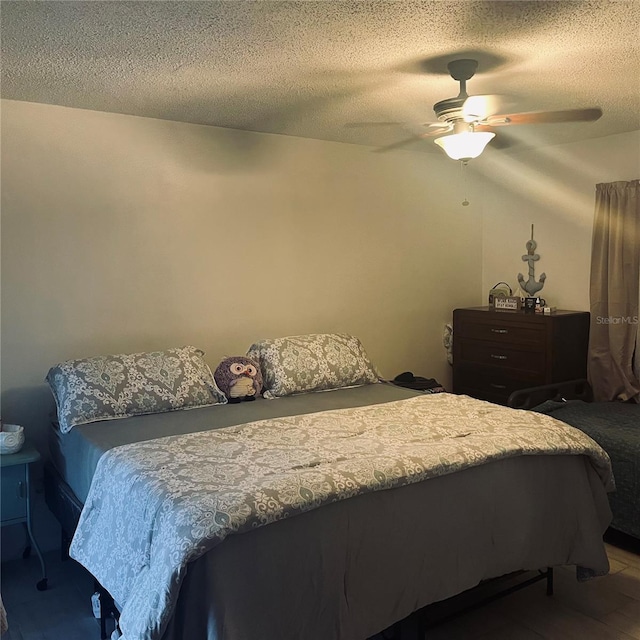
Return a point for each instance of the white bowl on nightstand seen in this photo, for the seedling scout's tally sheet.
(11, 438)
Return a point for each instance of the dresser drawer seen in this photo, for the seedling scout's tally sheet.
(505, 356)
(491, 383)
(501, 330)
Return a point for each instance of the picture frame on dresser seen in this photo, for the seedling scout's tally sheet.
(496, 353)
(507, 303)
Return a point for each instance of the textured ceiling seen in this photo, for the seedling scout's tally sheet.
(310, 68)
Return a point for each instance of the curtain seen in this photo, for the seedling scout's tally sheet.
(636, 356)
(615, 292)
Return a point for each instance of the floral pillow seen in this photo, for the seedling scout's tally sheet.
(314, 362)
(120, 386)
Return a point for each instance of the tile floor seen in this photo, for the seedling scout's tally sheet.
(606, 608)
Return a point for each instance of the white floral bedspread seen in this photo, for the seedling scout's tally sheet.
(155, 506)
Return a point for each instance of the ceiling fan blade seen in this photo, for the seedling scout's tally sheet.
(443, 127)
(545, 117)
(480, 107)
(398, 145)
(406, 141)
(356, 125)
(501, 142)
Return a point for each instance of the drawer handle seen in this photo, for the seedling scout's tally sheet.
(497, 386)
(499, 330)
(20, 490)
(495, 356)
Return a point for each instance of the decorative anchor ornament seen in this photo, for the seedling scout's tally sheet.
(531, 286)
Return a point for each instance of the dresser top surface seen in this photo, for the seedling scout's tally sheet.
(506, 314)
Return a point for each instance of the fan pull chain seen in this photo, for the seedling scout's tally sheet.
(463, 171)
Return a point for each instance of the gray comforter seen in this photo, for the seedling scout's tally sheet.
(615, 426)
(156, 506)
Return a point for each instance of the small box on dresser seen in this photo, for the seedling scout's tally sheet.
(498, 352)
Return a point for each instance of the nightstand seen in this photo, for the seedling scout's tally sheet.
(498, 352)
(15, 505)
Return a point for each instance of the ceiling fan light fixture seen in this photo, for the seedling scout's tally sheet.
(465, 145)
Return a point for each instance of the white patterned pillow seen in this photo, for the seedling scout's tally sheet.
(314, 362)
(125, 385)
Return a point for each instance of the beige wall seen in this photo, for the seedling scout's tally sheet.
(553, 188)
(122, 234)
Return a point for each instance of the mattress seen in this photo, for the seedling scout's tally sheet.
(615, 426)
(76, 454)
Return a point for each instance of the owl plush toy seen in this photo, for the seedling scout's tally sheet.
(239, 378)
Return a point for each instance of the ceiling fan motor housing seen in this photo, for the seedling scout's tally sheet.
(451, 109)
(462, 70)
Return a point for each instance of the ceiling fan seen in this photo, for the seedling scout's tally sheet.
(465, 122)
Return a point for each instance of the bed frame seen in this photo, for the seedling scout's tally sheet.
(66, 507)
(559, 391)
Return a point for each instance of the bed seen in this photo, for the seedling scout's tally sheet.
(615, 426)
(403, 524)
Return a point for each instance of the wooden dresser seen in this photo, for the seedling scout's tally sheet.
(498, 352)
